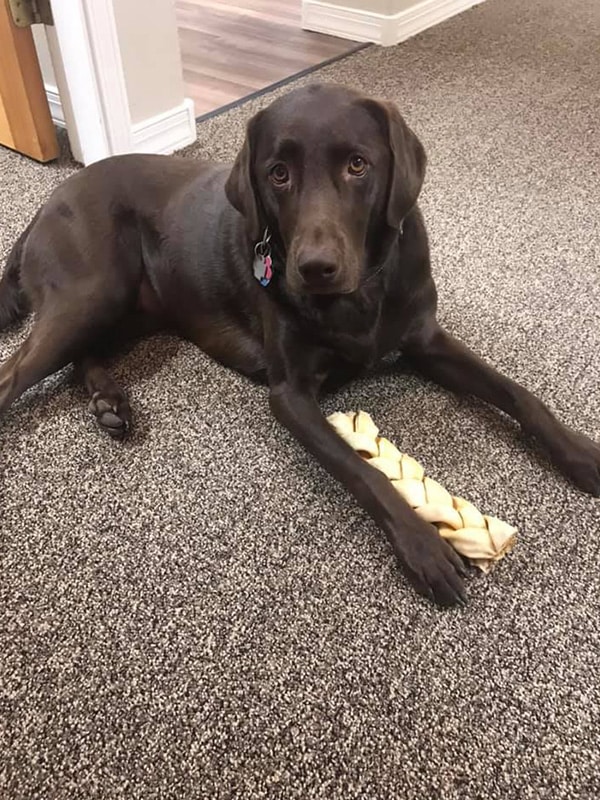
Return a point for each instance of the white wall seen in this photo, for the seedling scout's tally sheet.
(376, 6)
(150, 54)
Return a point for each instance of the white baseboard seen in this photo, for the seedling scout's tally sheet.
(383, 29)
(56, 109)
(166, 132)
(348, 23)
(426, 14)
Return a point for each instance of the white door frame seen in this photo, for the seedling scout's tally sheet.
(87, 59)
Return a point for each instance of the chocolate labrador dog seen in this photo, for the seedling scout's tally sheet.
(304, 263)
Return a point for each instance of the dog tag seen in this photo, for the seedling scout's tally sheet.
(263, 269)
(263, 263)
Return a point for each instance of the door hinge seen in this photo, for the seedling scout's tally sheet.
(30, 12)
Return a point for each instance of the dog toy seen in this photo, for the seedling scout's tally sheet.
(481, 539)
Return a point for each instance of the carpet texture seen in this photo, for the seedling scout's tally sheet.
(203, 613)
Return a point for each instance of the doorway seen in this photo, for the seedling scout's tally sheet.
(233, 48)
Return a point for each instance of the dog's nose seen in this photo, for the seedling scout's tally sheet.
(317, 271)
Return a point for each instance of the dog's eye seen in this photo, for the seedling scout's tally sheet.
(279, 174)
(357, 166)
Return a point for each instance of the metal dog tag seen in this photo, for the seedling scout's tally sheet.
(263, 269)
(263, 263)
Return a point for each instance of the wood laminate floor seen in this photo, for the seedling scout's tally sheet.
(232, 48)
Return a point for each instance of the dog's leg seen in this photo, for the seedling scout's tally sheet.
(445, 360)
(431, 565)
(224, 340)
(46, 350)
(108, 403)
(57, 338)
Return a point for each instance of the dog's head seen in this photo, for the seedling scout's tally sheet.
(332, 173)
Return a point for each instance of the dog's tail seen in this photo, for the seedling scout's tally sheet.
(14, 304)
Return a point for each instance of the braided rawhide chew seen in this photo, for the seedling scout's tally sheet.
(479, 538)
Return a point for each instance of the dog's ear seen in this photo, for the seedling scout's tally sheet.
(408, 161)
(240, 187)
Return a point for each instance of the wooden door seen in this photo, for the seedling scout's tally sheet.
(25, 121)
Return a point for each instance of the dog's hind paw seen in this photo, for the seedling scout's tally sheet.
(579, 460)
(112, 413)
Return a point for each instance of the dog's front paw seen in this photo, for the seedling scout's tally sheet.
(433, 567)
(112, 412)
(579, 460)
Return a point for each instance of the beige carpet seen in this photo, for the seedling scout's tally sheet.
(203, 613)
